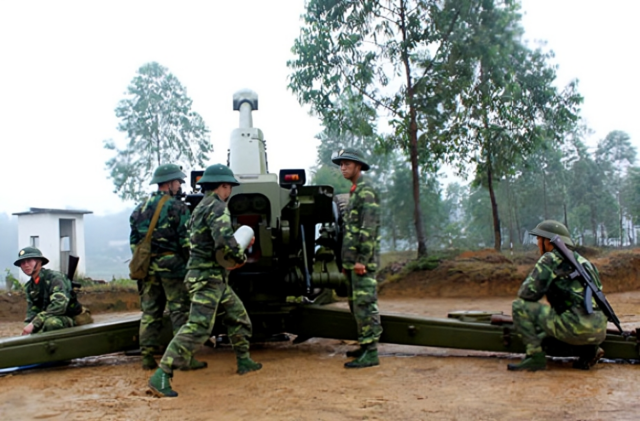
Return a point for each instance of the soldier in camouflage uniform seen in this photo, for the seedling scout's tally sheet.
(164, 284)
(51, 302)
(565, 318)
(211, 231)
(360, 257)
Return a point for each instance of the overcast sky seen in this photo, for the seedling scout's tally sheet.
(65, 65)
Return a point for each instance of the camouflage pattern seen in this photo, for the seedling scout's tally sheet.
(51, 303)
(565, 318)
(164, 284)
(210, 295)
(360, 245)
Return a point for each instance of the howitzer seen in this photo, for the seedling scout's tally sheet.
(294, 261)
(591, 290)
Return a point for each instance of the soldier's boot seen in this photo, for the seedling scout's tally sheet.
(534, 362)
(589, 357)
(160, 385)
(368, 358)
(194, 365)
(247, 365)
(356, 353)
(148, 362)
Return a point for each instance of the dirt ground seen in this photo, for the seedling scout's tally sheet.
(308, 382)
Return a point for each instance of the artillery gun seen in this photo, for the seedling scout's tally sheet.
(296, 256)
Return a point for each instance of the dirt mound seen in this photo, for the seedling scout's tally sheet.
(489, 273)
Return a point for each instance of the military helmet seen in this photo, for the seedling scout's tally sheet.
(350, 154)
(550, 228)
(30, 253)
(218, 173)
(168, 172)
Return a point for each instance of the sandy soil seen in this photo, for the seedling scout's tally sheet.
(307, 382)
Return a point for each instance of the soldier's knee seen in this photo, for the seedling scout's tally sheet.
(52, 324)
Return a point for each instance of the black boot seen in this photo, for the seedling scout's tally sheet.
(355, 353)
(368, 357)
(589, 356)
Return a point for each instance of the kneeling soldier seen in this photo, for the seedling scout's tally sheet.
(51, 301)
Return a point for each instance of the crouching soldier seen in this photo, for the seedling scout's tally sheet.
(51, 301)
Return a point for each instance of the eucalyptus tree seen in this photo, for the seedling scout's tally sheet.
(510, 105)
(391, 53)
(614, 155)
(161, 128)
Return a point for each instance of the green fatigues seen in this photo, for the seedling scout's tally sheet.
(360, 245)
(211, 231)
(164, 285)
(51, 304)
(566, 318)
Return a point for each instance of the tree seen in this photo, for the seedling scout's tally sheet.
(157, 118)
(386, 52)
(509, 107)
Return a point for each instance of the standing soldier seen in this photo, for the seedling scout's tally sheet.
(211, 231)
(164, 283)
(566, 318)
(360, 257)
(51, 301)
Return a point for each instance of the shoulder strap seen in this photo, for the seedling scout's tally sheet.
(156, 215)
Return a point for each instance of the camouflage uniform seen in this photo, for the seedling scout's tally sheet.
(51, 303)
(164, 284)
(566, 318)
(360, 245)
(211, 230)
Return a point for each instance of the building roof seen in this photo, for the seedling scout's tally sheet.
(35, 211)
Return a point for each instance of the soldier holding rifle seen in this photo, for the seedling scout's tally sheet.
(575, 314)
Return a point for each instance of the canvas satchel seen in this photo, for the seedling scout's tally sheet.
(141, 260)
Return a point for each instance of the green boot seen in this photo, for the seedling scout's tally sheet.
(160, 384)
(148, 362)
(356, 353)
(368, 358)
(534, 362)
(247, 365)
(194, 365)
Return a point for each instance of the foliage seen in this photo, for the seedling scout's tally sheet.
(16, 285)
(161, 128)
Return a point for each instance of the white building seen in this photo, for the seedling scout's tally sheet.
(58, 233)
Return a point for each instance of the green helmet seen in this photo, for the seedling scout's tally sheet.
(30, 253)
(218, 173)
(550, 228)
(168, 172)
(351, 154)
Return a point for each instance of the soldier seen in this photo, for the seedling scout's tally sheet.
(206, 279)
(360, 257)
(565, 318)
(51, 301)
(164, 284)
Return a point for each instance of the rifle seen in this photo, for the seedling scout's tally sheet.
(71, 270)
(590, 288)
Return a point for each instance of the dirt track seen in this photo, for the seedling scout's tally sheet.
(308, 382)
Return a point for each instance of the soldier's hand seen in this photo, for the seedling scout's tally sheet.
(239, 265)
(359, 269)
(253, 240)
(27, 329)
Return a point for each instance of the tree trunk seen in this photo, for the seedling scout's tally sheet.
(620, 220)
(413, 145)
(494, 208)
(594, 227)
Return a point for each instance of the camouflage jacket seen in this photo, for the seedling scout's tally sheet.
(211, 230)
(51, 296)
(550, 278)
(361, 241)
(170, 239)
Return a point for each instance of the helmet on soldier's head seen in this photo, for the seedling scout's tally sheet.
(168, 172)
(30, 253)
(218, 173)
(350, 154)
(550, 228)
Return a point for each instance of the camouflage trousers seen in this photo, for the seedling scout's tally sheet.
(534, 321)
(156, 293)
(55, 323)
(363, 302)
(210, 296)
